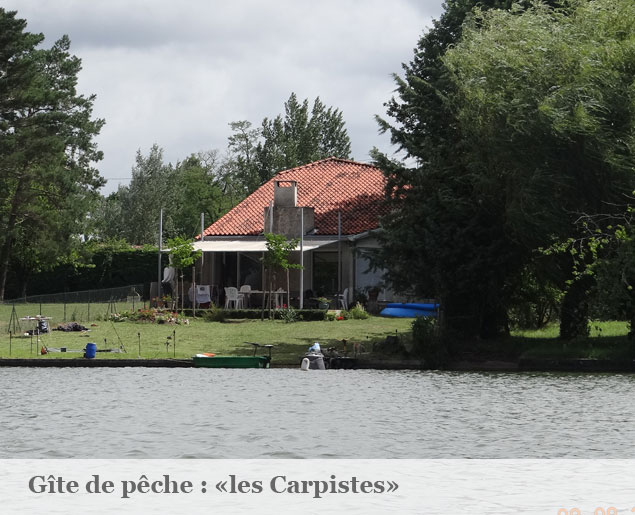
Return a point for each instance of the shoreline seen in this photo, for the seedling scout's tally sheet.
(522, 365)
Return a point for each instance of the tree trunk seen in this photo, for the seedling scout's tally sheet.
(5, 251)
(574, 312)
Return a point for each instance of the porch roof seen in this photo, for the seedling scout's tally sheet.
(243, 245)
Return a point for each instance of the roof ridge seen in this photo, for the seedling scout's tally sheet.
(322, 161)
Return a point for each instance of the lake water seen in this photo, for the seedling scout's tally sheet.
(287, 413)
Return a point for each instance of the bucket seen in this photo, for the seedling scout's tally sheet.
(91, 350)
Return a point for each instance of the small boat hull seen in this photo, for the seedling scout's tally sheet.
(231, 361)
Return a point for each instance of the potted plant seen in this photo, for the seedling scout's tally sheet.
(323, 303)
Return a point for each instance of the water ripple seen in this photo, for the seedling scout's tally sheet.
(200, 413)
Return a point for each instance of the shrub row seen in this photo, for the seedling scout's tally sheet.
(219, 314)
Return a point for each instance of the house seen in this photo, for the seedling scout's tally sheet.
(332, 206)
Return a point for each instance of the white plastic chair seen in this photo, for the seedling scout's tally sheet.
(245, 290)
(232, 295)
(203, 295)
(342, 299)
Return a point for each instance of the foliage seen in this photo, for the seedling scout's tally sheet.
(216, 314)
(289, 315)
(152, 315)
(357, 312)
(210, 184)
(524, 123)
(95, 265)
(243, 159)
(278, 251)
(199, 184)
(202, 186)
(277, 257)
(301, 136)
(427, 342)
(47, 181)
(535, 302)
(182, 253)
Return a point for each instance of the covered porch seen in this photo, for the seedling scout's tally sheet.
(237, 263)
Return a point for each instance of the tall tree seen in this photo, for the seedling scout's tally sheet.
(198, 184)
(151, 188)
(435, 235)
(494, 175)
(303, 135)
(547, 114)
(46, 140)
(201, 188)
(242, 162)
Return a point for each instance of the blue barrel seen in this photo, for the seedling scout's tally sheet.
(91, 350)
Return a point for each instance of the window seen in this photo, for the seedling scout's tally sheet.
(324, 273)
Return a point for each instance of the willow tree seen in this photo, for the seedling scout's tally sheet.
(517, 121)
(546, 107)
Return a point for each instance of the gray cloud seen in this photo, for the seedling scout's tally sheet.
(176, 73)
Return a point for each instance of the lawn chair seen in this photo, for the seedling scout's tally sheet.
(342, 299)
(245, 290)
(232, 296)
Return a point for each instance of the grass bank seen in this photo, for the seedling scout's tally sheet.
(606, 341)
(148, 340)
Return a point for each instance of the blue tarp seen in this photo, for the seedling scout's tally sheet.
(409, 310)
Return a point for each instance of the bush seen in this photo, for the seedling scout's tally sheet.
(220, 315)
(289, 315)
(152, 315)
(427, 343)
(358, 312)
(215, 314)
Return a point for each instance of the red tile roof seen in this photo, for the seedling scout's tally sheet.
(329, 185)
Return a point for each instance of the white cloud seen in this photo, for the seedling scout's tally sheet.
(176, 73)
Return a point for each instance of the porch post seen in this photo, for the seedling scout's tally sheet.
(211, 279)
(160, 249)
(238, 270)
(202, 239)
(339, 251)
(301, 258)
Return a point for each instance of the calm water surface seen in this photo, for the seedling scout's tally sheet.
(287, 413)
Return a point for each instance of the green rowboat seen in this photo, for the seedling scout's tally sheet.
(231, 361)
(213, 361)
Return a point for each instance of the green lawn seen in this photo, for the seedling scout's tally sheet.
(610, 328)
(290, 339)
(71, 312)
(607, 340)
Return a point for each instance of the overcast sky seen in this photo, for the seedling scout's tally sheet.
(176, 73)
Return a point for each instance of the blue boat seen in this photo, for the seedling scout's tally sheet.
(410, 310)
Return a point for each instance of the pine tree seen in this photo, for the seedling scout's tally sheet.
(46, 142)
